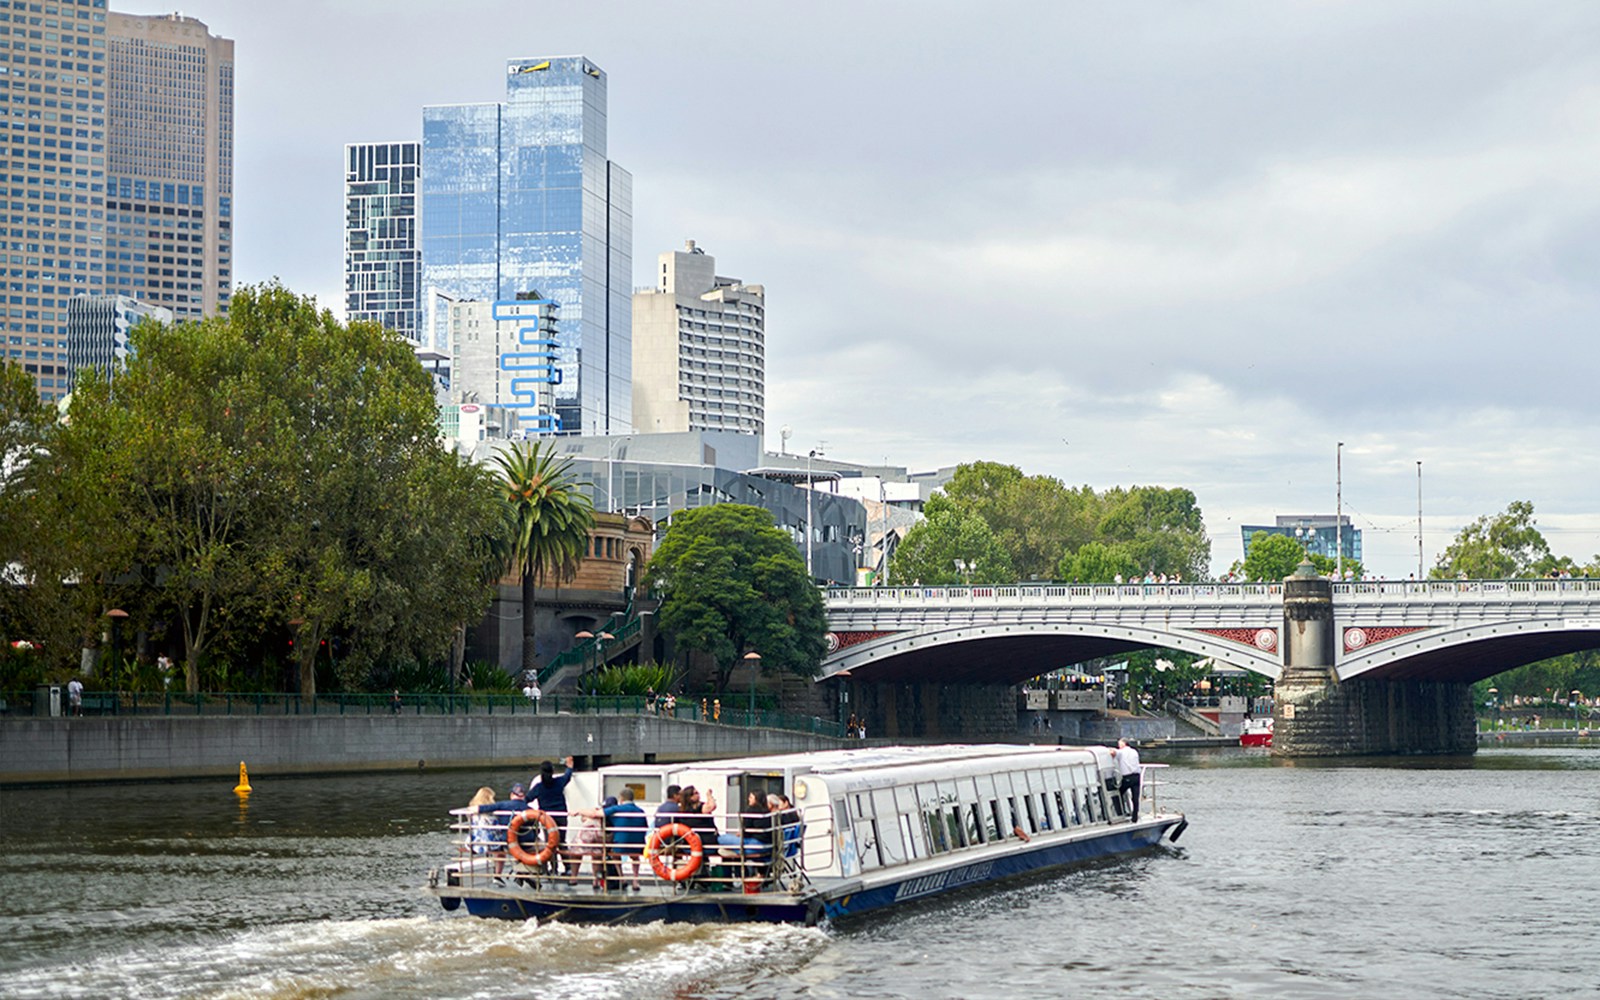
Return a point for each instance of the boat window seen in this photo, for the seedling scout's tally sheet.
(974, 824)
(1045, 818)
(1061, 809)
(911, 826)
(950, 810)
(891, 846)
(866, 827)
(933, 815)
(1033, 816)
(997, 829)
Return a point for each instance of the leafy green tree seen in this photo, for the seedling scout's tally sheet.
(550, 520)
(1272, 557)
(273, 464)
(45, 600)
(172, 445)
(1504, 546)
(930, 551)
(1161, 528)
(732, 582)
(1097, 562)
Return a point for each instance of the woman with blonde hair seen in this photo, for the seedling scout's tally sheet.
(484, 835)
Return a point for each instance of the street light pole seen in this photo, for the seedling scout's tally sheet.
(1338, 512)
(809, 456)
(1576, 694)
(752, 660)
(1419, 520)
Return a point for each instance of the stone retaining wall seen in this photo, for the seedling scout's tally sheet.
(133, 748)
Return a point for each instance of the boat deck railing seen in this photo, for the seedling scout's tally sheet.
(587, 860)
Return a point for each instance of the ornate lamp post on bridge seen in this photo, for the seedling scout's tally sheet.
(1494, 702)
(1576, 694)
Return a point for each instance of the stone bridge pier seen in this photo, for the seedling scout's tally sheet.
(1317, 715)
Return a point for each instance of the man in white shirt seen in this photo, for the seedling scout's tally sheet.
(1127, 759)
(75, 696)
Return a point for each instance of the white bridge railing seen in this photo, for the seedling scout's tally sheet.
(1466, 591)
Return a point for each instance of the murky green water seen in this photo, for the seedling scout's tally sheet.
(1396, 878)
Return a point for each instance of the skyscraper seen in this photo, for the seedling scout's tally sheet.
(382, 259)
(519, 196)
(118, 163)
(52, 165)
(97, 331)
(169, 163)
(699, 349)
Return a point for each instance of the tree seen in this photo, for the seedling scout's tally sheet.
(273, 464)
(1502, 547)
(550, 522)
(930, 551)
(171, 444)
(1272, 557)
(732, 582)
(1097, 562)
(1161, 528)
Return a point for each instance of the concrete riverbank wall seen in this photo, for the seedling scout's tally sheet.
(47, 751)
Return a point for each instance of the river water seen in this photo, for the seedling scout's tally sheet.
(1397, 878)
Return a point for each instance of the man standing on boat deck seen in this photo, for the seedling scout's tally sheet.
(549, 791)
(1127, 759)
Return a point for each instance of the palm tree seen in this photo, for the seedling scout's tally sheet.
(550, 522)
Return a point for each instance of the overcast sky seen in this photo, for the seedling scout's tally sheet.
(1169, 243)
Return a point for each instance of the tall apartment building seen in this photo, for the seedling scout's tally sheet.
(518, 196)
(169, 163)
(98, 328)
(382, 258)
(116, 169)
(699, 349)
(503, 356)
(52, 172)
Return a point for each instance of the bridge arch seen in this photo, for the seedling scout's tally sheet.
(1469, 652)
(1012, 653)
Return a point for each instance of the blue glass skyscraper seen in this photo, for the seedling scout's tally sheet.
(519, 197)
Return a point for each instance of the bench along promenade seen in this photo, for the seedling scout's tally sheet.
(1362, 667)
(277, 734)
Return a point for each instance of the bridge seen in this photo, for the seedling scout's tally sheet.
(1448, 632)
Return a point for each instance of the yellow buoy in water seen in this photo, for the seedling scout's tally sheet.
(243, 787)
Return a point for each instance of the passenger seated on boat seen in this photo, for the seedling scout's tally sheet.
(484, 836)
(790, 828)
(668, 806)
(752, 850)
(501, 813)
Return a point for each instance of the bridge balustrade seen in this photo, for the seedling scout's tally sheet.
(1129, 593)
(1468, 590)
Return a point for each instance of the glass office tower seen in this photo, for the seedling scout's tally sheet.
(519, 196)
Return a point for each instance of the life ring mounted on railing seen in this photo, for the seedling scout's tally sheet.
(685, 868)
(552, 837)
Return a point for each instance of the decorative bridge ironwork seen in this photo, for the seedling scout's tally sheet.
(1458, 630)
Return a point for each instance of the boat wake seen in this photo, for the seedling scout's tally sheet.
(436, 957)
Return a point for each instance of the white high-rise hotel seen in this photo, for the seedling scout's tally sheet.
(699, 349)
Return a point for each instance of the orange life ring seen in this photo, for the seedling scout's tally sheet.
(552, 837)
(689, 865)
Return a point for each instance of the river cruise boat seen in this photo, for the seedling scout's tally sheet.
(867, 828)
(1256, 732)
